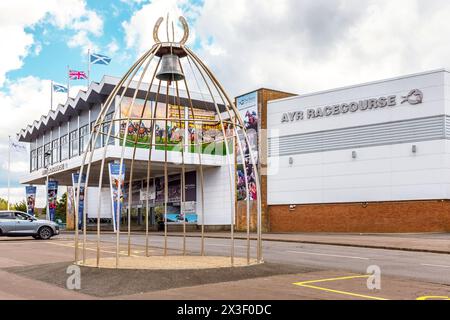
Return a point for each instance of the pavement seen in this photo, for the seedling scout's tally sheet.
(32, 269)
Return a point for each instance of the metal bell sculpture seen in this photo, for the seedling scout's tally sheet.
(166, 63)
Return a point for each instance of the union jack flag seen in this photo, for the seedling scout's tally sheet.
(77, 75)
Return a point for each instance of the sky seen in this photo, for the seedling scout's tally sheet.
(298, 46)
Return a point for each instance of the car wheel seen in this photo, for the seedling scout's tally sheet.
(45, 233)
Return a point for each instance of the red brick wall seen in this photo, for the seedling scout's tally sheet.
(387, 217)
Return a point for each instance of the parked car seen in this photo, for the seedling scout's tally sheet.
(20, 224)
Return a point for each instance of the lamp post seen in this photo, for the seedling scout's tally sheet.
(46, 162)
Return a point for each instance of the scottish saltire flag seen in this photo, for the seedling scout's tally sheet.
(77, 75)
(59, 88)
(96, 58)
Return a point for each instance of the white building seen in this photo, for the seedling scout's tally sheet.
(59, 139)
(366, 158)
(372, 157)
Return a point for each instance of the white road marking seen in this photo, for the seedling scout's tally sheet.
(328, 255)
(434, 265)
(223, 245)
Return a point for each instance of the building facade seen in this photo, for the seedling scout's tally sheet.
(59, 140)
(373, 157)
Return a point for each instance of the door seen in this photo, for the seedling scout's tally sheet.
(23, 224)
(7, 222)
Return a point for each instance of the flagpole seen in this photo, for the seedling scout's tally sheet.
(51, 95)
(9, 166)
(68, 82)
(89, 67)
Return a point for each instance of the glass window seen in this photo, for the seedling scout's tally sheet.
(98, 142)
(105, 130)
(7, 216)
(33, 160)
(47, 151)
(74, 143)
(55, 151)
(64, 145)
(40, 157)
(84, 137)
(21, 216)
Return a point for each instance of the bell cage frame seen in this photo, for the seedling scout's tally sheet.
(238, 137)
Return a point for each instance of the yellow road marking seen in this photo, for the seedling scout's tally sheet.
(433, 298)
(306, 284)
(331, 279)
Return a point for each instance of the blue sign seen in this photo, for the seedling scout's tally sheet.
(52, 193)
(30, 192)
(116, 179)
(75, 180)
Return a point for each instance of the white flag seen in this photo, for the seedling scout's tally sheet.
(17, 146)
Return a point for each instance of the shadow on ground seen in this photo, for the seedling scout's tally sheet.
(111, 282)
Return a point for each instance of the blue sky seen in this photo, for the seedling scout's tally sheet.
(55, 49)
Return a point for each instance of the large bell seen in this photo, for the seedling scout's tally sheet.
(170, 68)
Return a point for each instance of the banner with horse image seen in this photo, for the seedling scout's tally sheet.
(30, 192)
(116, 179)
(248, 109)
(75, 179)
(168, 135)
(137, 130)
(52, 193)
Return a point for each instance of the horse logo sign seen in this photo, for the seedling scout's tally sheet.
(414, 97)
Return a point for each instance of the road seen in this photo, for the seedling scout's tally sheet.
(31, 269)
(427, 267)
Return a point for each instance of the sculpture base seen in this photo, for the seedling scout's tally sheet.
(168, 262)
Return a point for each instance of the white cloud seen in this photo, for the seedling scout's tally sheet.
(26, 99)
(81, 39)
(139, 29)
(314, 45)
(307, 45)
(16, 16)
(112, 47)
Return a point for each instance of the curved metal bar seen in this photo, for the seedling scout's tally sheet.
(132, 72)
(183, 168)
(257, 178)
(166, 178)
(91, 144)
(186, 30)
(156, 29)
(199, 153)
(230, 169)
(134, 155)
(149, 163)
(124, 146)
(135, 145)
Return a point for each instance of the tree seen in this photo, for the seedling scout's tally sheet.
(21, 206)
(61, 208)
(3, 204)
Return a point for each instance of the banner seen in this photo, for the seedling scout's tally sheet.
(116, 178)
(75, 179)
(70, 209)
(31, 199)
(52, 193)
(248, 108)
